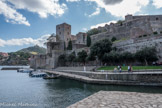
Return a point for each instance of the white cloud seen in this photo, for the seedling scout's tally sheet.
(12, 15)
(84, 29)
(122, 8)
(96, 12)
(102, 24)
(157, 3)
(41, 7)
(24, 41)
(72, 0)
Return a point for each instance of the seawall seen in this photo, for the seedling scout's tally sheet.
(142, 78)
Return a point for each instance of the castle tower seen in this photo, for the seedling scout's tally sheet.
(128, 17)
(63, 31)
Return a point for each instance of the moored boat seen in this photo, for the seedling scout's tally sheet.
(38, 75)
(25, 70)
(51, 77)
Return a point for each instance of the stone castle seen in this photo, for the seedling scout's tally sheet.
(132, 34)
(56, 45)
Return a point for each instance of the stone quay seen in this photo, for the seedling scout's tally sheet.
(125, 78)
(115, 99)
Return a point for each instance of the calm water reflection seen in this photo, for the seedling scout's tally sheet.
(58, 93)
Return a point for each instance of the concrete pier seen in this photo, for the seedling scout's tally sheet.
(143, 78)
(107, 99)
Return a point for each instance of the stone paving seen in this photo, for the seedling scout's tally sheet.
(113, 99)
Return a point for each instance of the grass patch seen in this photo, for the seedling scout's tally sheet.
(123, 39)
(134, 67)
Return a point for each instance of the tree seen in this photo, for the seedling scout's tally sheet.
(1, 57)
(100, 48)
(62, 59)
(127, 57)
(91, 57)
(88, 41)
(92, 32)
(114, 48)
(113, 39)
(71, 58)
(64, 47)
(112, 57)
(82, 56)
(147, 54)
(69, 45)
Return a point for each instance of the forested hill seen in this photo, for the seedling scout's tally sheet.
(34, 50)
(22, 56)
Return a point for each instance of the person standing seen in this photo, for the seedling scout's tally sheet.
(120, 69)
(128, 68)
(115, 69)
(84, 69)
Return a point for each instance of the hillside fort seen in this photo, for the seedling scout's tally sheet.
(132, 34)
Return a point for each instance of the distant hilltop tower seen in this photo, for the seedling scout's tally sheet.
(63, 31)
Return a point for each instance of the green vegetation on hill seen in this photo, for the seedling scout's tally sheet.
(122, 39)
(22, 56)
(92, 32)
(34, 50)
(18, 58)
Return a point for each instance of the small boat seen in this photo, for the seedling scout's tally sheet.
(51, 77)
(38, 75)
(25, 70)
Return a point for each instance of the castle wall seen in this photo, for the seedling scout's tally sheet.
(155, 21)
(78, 46)
(38, 61)
(73, 38)
(133, 45)
(132, 27)
(87, 49)
(81, 38)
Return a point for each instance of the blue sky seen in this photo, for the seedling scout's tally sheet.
(25, 23)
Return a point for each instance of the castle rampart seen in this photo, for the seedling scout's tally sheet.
(133, 45)
(131, 27)
(132, 34)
